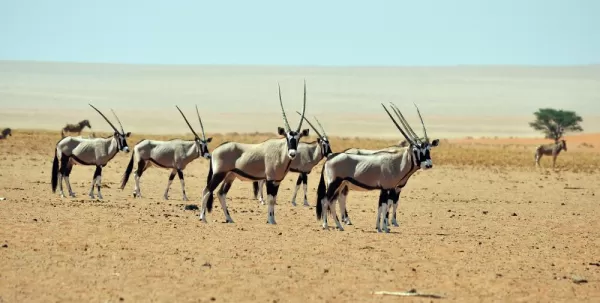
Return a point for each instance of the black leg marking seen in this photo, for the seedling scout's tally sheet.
(299, 181)
(333, 189)
(304, 178)
(224, 188)
(68, 170)
(98, 173)
(141, 168)
(215, 181)
(64, 164)
(180, 175)
(171, 176)
(272, 190)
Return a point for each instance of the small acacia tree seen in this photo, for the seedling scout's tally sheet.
(554, 123)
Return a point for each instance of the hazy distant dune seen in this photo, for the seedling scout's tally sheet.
(455, 101)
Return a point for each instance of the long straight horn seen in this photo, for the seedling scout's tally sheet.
(113, 112)
(398, 126)
(321, 126)
(311, 126)
(303, 108)
(405, 123)
(103, 116)
(285, 120)
(201, 126)
(188, 123)
(422, 123)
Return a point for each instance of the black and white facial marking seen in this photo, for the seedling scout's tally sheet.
(122, 141)
(292, 139)
(422, 153)
(325, 146)
(203, 147)
(564, 144)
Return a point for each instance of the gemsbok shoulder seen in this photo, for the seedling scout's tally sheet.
(384, 171)
(269, 161)
(83, 151)
(550, 150)
(174, 155)
(308, 155)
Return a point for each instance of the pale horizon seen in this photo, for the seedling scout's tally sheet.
(456, 102)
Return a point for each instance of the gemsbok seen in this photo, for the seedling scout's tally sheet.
(393, 196)
(84, 151)
(269, 161)
(384, 171)
(550, 150)
(309, 155)
(75, 128)
(173, 154)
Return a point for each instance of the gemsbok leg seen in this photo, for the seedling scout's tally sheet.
(171, 177)
(222, 194)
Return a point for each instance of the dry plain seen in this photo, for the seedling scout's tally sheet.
(482, 226)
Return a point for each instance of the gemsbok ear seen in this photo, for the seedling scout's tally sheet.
(208, 139)
(281, 131)
(128, 134)
(435, 142)
(305, 132)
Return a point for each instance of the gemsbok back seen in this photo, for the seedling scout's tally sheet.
(384, 171)
(550, 150)
(84, 151)
(173, 154)
(269, 161)
(309, 155)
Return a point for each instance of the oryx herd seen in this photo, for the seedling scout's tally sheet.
(267, 163)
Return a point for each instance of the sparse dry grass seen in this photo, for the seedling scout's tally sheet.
(40, 143)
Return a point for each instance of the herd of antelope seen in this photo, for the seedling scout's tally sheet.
(266, 164)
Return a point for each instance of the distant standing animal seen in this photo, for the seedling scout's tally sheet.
(384, 171)
(550, 150)
(269, 161)
(75, 128)
(84, 151)
(309, 155)
(174, 155)
(5, 133)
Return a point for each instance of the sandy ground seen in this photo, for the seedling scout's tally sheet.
(468, 233)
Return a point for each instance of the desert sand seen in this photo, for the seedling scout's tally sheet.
(483, 225)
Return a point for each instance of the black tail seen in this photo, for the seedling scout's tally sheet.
(255, 189)
(127, 171)
(55, 171)
(321, 192)
(209, 203)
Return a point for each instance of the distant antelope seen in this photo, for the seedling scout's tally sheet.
(84, 151)
(550, 150)
(269, 160)
(5, 133)
(384, 171)
(174, 155)
(75, 128)
(309, 155)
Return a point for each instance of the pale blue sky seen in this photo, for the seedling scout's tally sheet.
(306, 32)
